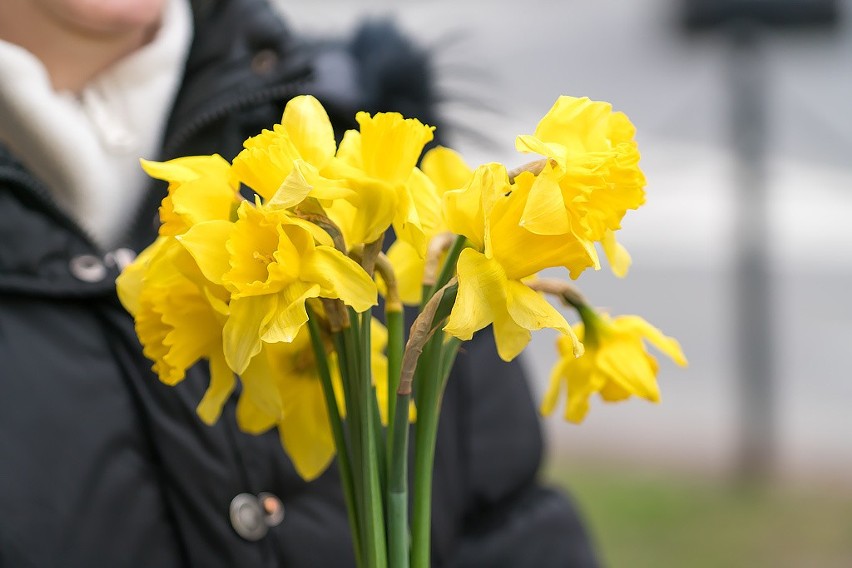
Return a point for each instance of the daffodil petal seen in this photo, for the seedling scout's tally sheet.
(630, 368)
(130, 282)
(310, 130)
(290, 314)
(206, 243)
(531, 310)
(613, 392)
(532, 145)
(554, 388)
(366, 219)
(294, 189)
(583, 381)
(304, 181)
(579, 124)
(446, 168)
(182, 170)
(545, 212)
(260, 406)
(247, 322)
(318, 233)
(668, 345)
(222, 383)
(304, 428)
(467, 210)
(266, 161)
(618, 257)
(252, 418)
(349, 151)
(340, 277)
(391, 144)
(481, 282)
(426, 201)
(510, 337)
(408, 267)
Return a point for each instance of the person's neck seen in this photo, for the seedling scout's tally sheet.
(72, 57)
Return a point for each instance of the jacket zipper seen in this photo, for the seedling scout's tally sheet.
(208, 117)
(35, 187)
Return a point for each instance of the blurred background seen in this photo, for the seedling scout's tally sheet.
(743, 252)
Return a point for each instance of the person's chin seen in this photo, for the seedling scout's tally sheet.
(110, 17)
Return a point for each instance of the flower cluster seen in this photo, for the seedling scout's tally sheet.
(234, 278)
(231, 279)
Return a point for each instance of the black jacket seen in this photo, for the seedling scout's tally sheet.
(102, 465)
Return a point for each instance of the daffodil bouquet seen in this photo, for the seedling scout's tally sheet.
(275, 287)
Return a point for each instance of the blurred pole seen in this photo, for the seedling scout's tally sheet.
(752, 284)
(743, 21)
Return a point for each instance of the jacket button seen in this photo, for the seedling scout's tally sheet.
(87, 268)
(247, 517)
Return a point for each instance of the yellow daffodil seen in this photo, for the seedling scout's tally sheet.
(179, 319)
(284, 165)
(592, 177)
(446, 170)
(379, 162)
(201, 188)
(615, 363)
(270, 263)
(503, 253)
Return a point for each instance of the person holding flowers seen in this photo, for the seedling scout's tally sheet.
(180, 451)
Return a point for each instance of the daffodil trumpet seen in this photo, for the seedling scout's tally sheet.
(276, 292)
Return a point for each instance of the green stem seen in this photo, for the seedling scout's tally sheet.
(375, 426)
(426, 430)
(372, 403)
(336, 428)
(381, 450)
(449, 350)
(426, 294)
(343, 367)
(398, 488)
(397, 442)
(375, 544)
(396, 338)
(348, 373)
